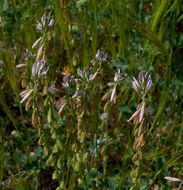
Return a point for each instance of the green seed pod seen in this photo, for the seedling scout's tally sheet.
(24, 83)
(80, 182)
(49, 116)
(45, 90)
(103, 150)
(55, 148)
(33, 156)
(59, 163)
(78, 157)
(85, 157)
(106, 96)
(55, 125)
(52, 129)
(46, 102)
(59, 188)
(54, 135)
(137, 158)
(75, 28)
(133, 187)
(69, 28)
(28, 104)
(74, 147)
(94, 171)
(62, 185)
(45, 150)
(102, 126)
(50, 161)
(72, 42)
(134, 175)
(41, 140)
(55, 175)
(59, 144)
(34, 118)
(107, 106)
(77, 167)
(81, 136)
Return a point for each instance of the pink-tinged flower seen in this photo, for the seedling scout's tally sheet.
(143, 83)
(142, 76)
(39, 69)
(25, 94)
(135, 85)
(53, 90)
(149, 83)
(60, 105)
(46, 21)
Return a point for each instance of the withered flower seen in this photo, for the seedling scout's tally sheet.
(138, 116)
(173, 179)
(37, 42)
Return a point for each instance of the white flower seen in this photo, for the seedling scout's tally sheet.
(101, 56)
(39, 26)
(51, 23)
(172, 179)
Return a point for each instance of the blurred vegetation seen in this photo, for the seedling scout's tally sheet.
(67, 72)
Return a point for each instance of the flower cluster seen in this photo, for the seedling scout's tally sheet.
(112, 92)
(39, 68)
(101, 56)
(143, 84)
(46, 21)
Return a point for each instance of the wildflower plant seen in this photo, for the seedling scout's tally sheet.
(141, 86)
(75, 73)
